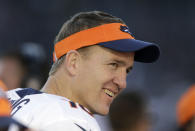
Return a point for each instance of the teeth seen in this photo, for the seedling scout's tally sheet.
(111, 94)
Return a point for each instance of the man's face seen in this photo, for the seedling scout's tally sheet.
(102, 76)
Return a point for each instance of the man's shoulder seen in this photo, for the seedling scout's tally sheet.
(45, 102)
(33, 95)
(37, 100)
(33, 107)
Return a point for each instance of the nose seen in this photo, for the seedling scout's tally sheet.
(121, 79)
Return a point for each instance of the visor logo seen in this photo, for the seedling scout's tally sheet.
(125, 29)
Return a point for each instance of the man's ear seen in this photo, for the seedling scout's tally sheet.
(72, 62)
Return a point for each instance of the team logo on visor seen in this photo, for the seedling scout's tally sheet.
(125, 29)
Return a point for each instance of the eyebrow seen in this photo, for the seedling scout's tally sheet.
(123, 63)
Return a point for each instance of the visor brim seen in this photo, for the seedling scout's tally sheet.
(145, 52)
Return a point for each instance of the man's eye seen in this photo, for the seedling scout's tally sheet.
(114, 65)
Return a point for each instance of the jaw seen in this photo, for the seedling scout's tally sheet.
(105, 101)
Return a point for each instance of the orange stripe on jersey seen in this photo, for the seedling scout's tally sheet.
(86, 110)
(72, 104)
(91, 36)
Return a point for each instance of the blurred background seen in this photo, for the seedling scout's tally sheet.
(30, 26)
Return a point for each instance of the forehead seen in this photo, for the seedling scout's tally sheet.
(97, 51)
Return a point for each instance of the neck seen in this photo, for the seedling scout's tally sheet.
(58, 85)
(51, 86)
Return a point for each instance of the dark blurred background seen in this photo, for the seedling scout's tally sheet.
(169, 23)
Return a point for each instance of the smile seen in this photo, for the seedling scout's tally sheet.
(109, 93)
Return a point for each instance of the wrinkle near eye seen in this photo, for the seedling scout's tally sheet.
(129, 69)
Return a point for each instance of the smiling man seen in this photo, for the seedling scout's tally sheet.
(93, 53)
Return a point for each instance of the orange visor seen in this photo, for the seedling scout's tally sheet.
(186, 106)
(91, 36)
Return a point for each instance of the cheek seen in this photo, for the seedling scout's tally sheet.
(103, 78)
(96, 76)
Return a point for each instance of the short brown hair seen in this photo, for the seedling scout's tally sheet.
(79, 22)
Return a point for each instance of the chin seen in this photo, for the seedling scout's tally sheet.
(103, 112)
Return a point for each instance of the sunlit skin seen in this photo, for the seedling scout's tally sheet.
(83, 79)
(103, 69)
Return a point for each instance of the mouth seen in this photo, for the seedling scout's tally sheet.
(109, 93)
